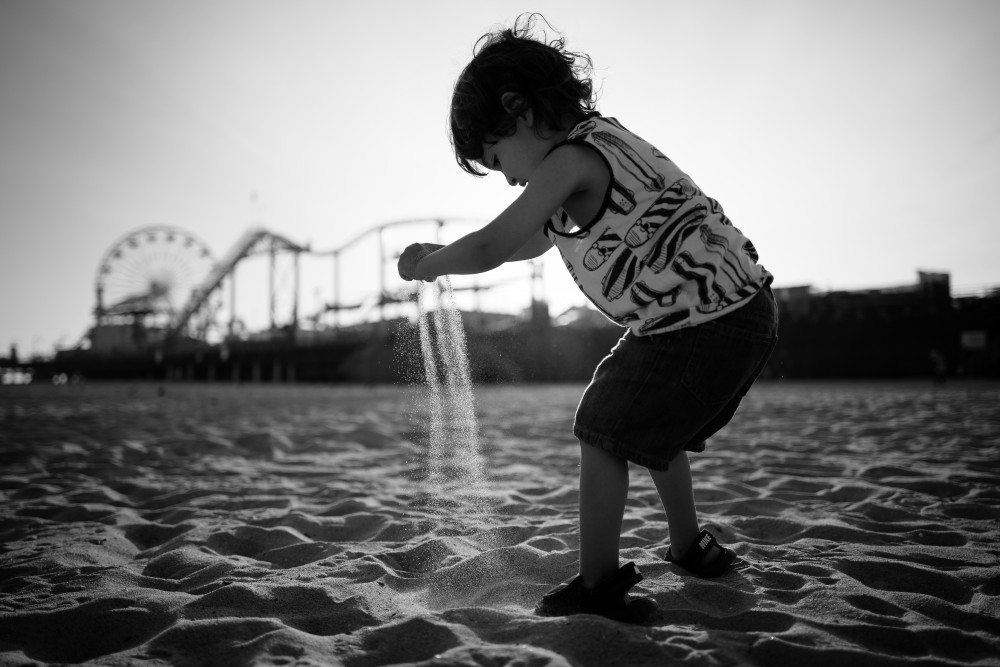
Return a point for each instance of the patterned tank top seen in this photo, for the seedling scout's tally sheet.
(660, 255)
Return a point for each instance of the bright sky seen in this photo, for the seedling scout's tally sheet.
(855, 141)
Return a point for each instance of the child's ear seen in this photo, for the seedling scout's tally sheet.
(515, 103)
(512, 102)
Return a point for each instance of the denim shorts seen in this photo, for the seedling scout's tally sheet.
(655, 396)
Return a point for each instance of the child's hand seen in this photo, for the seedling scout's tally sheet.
(407, 264)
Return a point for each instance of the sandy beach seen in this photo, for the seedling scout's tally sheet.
(222, 525)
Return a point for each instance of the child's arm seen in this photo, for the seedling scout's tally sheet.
(536, 246)
(566, 171)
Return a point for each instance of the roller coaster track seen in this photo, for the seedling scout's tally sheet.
(253, 241)
(259, 240)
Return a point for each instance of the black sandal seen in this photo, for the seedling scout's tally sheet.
(609, 598)
(694, 558)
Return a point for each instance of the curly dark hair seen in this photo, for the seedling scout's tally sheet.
(551, 81)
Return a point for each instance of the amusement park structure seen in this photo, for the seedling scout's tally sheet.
(160, 285)
(166, 309)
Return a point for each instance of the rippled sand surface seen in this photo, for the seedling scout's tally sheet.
(221, 525)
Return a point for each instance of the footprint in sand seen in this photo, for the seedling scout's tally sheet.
(81, 633)
(884, 575)
(876, 605)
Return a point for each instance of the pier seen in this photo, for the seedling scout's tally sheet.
(167, 310)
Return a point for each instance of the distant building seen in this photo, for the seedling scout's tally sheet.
(917, 330)
(905, 331)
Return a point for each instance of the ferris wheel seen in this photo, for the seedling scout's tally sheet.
(150, 272)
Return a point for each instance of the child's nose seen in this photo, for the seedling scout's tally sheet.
(511, 180)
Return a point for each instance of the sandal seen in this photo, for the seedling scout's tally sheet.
(609, 598)
(694, 558)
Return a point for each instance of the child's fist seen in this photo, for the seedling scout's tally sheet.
(407, 265)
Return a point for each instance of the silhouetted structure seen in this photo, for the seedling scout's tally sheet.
(152, 332)
(896, 332)
(891, 333)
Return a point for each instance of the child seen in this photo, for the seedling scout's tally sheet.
(653, 253)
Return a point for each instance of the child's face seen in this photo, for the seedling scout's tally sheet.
(519, 154)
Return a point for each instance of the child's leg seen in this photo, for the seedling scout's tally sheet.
(603, 490)
(677, 496)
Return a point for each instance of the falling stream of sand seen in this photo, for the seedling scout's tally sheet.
(455, 459)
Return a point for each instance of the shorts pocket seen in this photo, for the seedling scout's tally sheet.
(723, 361)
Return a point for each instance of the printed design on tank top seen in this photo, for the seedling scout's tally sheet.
(677, 262)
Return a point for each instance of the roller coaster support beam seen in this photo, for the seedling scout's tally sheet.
(251, 243)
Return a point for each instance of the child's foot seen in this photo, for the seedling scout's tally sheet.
(610, 598)
(705, 557)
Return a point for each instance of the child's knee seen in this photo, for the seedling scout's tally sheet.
(599, 454)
